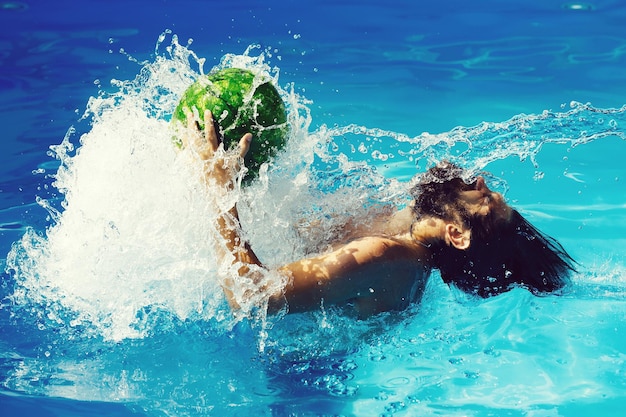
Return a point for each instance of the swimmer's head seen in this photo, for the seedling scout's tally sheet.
(504, 249)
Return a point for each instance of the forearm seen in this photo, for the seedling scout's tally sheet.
(229, 228)
(235, 250)
(240, 269)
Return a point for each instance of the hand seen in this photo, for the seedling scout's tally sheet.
(220, 166)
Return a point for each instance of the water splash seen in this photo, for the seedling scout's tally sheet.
(128, 257)
(132, 234)
(474, 148)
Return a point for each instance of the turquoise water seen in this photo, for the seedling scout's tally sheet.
(110, 305)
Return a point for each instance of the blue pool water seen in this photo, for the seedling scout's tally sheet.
(110, 306)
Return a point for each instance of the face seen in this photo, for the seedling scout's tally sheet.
(479, 199)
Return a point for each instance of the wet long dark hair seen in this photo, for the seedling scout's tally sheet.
(502, 253)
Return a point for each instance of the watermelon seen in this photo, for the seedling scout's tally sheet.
(238, 109)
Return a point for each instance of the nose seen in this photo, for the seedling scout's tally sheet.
(481, 185)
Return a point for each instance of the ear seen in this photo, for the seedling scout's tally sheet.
(457, 236)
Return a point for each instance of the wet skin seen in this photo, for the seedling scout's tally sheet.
(380, 270)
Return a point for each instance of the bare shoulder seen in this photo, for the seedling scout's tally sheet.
(386, 221)
(387, 247)
(386, 265)
(357, 254)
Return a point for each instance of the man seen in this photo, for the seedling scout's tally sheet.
(468, 232)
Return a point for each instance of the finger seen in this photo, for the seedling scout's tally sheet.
(244, 147)
(244, 144)
(209, 129)
(190, 120)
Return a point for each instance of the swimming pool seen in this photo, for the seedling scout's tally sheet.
(108, 308)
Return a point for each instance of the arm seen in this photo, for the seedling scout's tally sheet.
(220, 171)
(377, 270)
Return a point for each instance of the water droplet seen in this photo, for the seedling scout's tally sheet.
(395, 406)
(492, 352)
(382, 396)
(455, 361)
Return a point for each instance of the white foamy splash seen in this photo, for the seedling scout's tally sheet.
(134, 240)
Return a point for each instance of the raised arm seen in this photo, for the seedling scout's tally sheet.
(220, 170)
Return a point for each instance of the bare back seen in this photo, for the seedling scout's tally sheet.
(380, 272)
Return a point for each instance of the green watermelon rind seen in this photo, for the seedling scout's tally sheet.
(227, 94)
